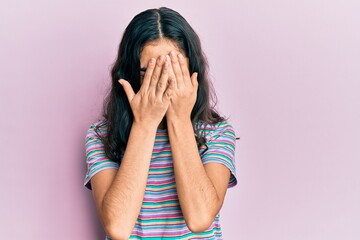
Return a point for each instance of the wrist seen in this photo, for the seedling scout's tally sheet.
(177, 122)
(171, 117)
(144, 127)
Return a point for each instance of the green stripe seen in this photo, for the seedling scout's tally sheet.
(175, 202)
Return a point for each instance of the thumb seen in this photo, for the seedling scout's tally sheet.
(128, 89)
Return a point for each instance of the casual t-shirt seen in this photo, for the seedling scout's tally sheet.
(160, 216)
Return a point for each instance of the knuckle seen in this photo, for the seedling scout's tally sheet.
(160, 85)
(168, 94)
(182, 63)
(142, 94)
(154, 78)
(155, 101)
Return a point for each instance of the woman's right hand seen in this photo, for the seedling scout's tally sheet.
(150, 103)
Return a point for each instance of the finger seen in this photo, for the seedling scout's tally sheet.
(177, 70)
(185, 69)
(156, 74)
(194, 80)
(169, 90)
(149, 70)
(171, 72)
(128, 89)
(161, 86)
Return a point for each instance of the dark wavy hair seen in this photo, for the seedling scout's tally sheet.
(145, 27)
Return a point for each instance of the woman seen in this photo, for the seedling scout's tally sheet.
(161, 159)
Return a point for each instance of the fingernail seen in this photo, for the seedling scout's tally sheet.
(180, 56)
(173, 54)
(120, 81)
(152, 60)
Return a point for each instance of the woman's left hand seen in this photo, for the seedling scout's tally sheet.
(185, 92)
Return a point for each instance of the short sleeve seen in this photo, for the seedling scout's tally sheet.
(221, 149)
(96, 159)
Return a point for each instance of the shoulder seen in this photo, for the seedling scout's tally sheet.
(213, 131)
(97, 128)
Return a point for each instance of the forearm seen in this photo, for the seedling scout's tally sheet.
(122, 202)
(197, 195)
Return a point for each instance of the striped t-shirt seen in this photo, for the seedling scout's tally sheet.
(160, 216)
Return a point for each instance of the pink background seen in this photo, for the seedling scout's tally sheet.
(286, 72)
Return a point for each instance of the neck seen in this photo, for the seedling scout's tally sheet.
(163, 124)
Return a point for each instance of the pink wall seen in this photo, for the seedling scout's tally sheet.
(287, 73)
